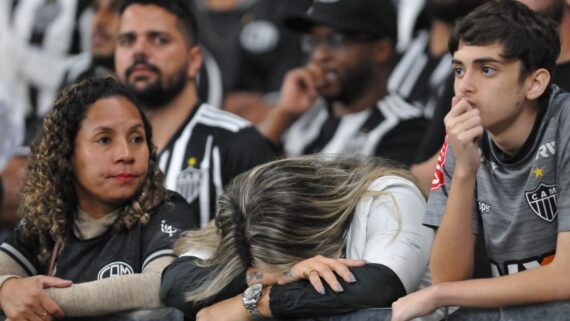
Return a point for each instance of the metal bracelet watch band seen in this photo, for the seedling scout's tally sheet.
(251, 297)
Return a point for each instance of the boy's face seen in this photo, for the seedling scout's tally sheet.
(491, 84)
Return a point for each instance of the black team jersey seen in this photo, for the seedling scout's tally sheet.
(391, 129)
(208, 150)
(114, 253)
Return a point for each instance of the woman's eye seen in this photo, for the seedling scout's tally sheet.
(138, 139)
(104, 140)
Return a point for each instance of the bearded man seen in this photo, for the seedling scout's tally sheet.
(201, 147)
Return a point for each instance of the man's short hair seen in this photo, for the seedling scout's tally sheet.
(526, 35)
(187, 22)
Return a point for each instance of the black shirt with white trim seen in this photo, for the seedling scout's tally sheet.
(390, 129)
(207, 151)
(114, 253)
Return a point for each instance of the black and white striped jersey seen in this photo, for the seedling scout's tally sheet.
(391, 129)
(211, 148)
(419, 77)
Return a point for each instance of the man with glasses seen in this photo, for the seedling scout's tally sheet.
(338, 102)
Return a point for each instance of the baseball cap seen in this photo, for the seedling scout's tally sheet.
(375, 17)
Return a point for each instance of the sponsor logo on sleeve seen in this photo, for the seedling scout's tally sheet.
(542, 201)
(438, 176)
(168, 229)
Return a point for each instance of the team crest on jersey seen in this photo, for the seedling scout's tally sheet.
(114, 269)
(188, 183)
(542, 201)
(438, 176)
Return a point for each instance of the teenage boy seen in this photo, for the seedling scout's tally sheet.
(503, 169)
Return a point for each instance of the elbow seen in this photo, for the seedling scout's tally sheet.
(172, 290)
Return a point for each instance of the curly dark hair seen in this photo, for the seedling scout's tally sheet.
(49, 199)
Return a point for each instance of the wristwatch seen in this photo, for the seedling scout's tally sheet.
(251, 297)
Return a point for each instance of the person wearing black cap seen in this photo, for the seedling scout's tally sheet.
(338, 102)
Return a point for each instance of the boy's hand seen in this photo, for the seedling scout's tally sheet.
(464, 130)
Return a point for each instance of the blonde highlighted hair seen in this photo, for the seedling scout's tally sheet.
(280, 213)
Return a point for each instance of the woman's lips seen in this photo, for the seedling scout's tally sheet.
(124, 177)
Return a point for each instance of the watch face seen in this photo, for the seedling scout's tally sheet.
(253, 291)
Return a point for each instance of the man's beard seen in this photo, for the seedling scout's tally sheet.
(156, 95)
(353, 83)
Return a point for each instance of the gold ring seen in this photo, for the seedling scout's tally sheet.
(308, 271)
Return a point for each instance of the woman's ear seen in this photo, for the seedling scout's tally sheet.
(538, 82)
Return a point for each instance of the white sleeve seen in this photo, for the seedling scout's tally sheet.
(394, 234)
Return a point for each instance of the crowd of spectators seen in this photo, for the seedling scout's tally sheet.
(248, 159)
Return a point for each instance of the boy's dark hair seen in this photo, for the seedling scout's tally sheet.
(524, 34)
(187, 22)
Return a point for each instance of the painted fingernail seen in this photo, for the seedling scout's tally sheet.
(322, 291)
(351, 278)
(339, 288)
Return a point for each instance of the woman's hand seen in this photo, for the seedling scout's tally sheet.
(312, 269)
(231, 309)
(25, 298)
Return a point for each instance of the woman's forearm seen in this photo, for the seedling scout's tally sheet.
(183, 276)
(376, 286)
(112, 295)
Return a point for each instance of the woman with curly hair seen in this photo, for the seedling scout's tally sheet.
(95, 213)
(300, 232)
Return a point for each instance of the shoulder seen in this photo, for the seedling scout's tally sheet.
(78, 65)
(391, 193)
(173, 216)
(223, 120)
(396, 108)
(174, 206)
(394, 183)
(232, 131)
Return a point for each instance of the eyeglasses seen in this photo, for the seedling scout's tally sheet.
(335, 42)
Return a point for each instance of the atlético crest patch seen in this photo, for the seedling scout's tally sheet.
(542, 201)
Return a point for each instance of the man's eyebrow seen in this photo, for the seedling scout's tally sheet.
(126, 34)
(485, 60)
(480, 61)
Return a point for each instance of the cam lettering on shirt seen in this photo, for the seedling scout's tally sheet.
(114, 269)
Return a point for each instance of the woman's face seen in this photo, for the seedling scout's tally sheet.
(110, 157)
